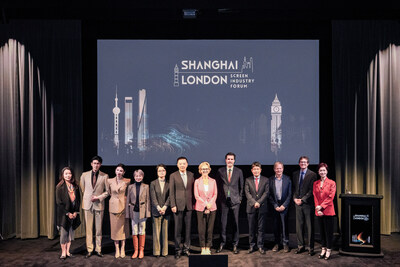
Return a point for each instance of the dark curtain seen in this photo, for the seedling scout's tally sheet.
(366, 93)
(40, 120)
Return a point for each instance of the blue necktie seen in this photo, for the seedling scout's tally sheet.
(301, 181)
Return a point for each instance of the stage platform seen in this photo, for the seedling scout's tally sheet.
(45, 252)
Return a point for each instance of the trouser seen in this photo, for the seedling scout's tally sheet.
(205, 225)
(326, 230)
(179, 217)
(138, 225)
(235, 224)
(305, 219)
(96, 216)
(160, 226)
(256, 229)
(281, 230)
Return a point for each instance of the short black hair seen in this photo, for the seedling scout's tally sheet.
(256, 164)
(160, 165)
(230, 154)
(98, 158)
(182, 158)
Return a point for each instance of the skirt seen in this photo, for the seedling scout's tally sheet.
(119, 226)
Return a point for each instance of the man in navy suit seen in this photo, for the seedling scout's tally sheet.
(257, 191)
(230, 191)
(303, 181)
(280, 195)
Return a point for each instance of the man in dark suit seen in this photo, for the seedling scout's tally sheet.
(257, 191)
(181, 198)
(303, 181)
(280, 195)
(230, 191)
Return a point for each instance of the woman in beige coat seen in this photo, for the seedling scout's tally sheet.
(117, 190)
(138, 210)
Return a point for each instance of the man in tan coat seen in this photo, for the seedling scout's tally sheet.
(94, 187)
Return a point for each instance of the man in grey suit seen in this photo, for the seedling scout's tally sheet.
(279, 197)
(256, 189)
(303, 181)
(230, 191)
(94, 187)
(181, 198)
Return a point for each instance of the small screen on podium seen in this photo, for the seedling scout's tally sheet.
(361, 225)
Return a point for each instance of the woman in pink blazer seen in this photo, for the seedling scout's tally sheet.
(205, 192)
(324, 192)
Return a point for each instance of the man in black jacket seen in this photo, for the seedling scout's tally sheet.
(303, 181)
(230, 191)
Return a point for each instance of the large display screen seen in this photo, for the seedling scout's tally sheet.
(161, 99)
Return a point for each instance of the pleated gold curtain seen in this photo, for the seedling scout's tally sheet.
(366, 93)
(40, 120)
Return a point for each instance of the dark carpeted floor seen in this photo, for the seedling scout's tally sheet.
(45, 252)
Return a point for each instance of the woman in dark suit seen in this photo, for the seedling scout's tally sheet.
(159, 192)
(68, 202)
(324, 191)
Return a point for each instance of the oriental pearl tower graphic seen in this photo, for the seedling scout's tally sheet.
(116, 112)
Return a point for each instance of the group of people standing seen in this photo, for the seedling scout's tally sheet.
(181, 194)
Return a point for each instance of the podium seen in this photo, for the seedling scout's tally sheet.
(361, 234)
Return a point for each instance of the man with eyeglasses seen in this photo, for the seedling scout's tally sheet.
(303, 181)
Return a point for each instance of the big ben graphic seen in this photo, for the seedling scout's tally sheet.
(276, 122)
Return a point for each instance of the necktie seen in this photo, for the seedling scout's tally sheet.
(256, 182)
(301, 181)
(94, 179)
(229, 175)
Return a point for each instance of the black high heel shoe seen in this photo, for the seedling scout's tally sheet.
(321, 256)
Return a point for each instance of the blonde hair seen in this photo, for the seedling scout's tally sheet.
(206, 164)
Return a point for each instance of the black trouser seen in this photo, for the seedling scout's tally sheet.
(326, 230)
(256, 229)
(305, 218)
(179, 217)
(224, 220)
(205, 225)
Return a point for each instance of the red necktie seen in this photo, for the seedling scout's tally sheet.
(257, 184)
(229, 175)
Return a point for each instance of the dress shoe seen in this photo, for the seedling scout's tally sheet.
(88, 255)
(177, 254)
(70, 255)
(99, 254)
(262, 251)
(235, 250)
(186, 252)
(219, 250)
(286, 248)
(251, 250)
(311, 252)
(63, 257)
(300, 250)
(275, 248)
